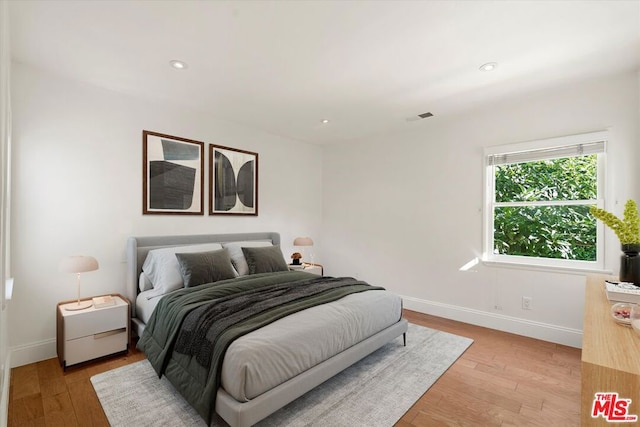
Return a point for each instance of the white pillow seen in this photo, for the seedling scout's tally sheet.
(144, 283)
(237, 257)
(163, 270)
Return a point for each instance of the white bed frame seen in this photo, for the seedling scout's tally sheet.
(244, 414)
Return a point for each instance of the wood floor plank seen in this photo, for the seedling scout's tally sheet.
(523, 376)
(86, 405)
(59, 411)
(550, 394)
(450, 413)
(26, 410)
(552, 417)
(49, 369)
(460, 385)
(570, 360)
(480, 376)
(25, 381)
(479, 404)
(52, 386)
(39, 422)
(501, 380)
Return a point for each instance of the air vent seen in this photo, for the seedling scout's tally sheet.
(419, 116)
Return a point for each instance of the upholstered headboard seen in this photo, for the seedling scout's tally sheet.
(139, 247)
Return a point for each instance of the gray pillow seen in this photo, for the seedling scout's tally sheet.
(205, 267)
(237, 257)
(265, 260)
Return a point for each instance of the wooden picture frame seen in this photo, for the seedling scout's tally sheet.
(233, 181)
(172, 175)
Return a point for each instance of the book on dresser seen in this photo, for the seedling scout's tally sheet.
(622, 292)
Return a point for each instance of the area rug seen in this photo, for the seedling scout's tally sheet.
(376, 391)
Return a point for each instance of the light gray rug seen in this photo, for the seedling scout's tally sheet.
(376, 391)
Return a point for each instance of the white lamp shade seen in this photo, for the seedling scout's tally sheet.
(78, 264)
(303, 241)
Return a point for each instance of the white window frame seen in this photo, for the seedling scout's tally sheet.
(531, 151)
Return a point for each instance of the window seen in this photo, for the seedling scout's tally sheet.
(538, 196)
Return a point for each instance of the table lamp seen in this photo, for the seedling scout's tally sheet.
(303, 241)
(78, 264)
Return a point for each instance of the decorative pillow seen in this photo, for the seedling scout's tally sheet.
(205, 267)
(144, 283)
(237, 256)
(265, 260)
(162, 269)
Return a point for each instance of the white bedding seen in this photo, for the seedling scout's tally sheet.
(267, 357)
(145, 304)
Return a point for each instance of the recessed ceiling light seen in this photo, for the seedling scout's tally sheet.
(489, 66)
(325, 121)
(178, 64)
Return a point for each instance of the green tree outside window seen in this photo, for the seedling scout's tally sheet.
(543, 208)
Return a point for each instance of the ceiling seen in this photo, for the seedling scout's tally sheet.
(367, 66)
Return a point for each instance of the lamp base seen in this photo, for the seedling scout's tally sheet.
(78, 306)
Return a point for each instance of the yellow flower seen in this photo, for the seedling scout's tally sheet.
(628, 228)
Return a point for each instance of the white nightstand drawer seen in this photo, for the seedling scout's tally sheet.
(95, 320)
(94, 346)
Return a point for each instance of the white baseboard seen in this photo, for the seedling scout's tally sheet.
(34, 352)
(543, 331)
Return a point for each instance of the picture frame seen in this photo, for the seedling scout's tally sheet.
(233, 181)
(172, 175)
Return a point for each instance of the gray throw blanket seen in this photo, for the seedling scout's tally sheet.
(204, 325)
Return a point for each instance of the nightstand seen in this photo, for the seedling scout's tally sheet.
(313, 269)
(308, 268)
(91, 333)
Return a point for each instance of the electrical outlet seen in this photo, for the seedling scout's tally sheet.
(527, 303)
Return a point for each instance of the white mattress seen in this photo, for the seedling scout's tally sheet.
(269, 356)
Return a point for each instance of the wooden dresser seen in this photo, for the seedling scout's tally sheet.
(610, 355)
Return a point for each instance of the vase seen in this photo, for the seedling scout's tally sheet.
(630, 264)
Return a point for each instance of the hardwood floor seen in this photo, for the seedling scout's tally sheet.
(42, 394)
(501, 380)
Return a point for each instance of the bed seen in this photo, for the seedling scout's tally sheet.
(247, 391)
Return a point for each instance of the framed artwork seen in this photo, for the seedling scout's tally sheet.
(233, 181)
(173, 175)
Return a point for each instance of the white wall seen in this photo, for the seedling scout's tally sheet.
(405, 211)
(78, 190)
(5, 136)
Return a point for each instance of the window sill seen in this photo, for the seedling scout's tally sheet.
(548, 268)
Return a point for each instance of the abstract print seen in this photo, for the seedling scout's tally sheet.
(233, 181)
(173, 174)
